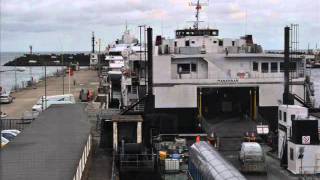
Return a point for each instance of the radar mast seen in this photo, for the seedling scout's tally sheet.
(198, 5)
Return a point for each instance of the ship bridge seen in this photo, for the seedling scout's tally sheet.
(196, 32)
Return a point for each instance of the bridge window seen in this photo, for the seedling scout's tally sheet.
(187, 43)
(285, 116)
(264, 67)
(282, 67)
(193, 67)
(115, 53)
(274, 67)
(220, 43)
(233, 43)
(255, 66)
(293, 66)
(280, 115)
(291, 154)
(183, 68)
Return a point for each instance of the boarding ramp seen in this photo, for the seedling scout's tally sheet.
(229, 131)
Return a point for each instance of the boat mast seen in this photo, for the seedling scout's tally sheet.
(198, 6)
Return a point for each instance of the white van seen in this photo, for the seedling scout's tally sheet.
(64, 97)
(40, 107)
(252, 157)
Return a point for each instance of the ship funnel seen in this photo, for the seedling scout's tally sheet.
(287, 96)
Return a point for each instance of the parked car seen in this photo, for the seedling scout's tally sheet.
(6, 98)
(9, 136)
(3, 115)
(45, 102)
(4, 141)
(15, 131)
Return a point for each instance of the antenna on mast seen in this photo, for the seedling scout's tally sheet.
(126, 26)
(198, 6)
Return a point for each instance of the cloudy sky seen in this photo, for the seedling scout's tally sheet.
(66, 25)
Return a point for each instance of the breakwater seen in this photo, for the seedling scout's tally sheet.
(50, 60)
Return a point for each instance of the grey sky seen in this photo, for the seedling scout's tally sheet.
(56, 25)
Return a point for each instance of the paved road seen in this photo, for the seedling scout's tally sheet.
(25, 99)
(231, 129)
(274, 171)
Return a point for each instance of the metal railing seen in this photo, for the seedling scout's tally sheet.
(23, 84)
(310, 170)
(136, 161)
(234, 74)
(132, 106)
(114, 171)
(19, 124)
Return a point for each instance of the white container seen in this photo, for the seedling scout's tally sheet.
(172, 165)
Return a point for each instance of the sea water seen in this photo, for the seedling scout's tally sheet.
(10, 78)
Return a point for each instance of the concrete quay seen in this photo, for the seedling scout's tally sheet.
(26, 98)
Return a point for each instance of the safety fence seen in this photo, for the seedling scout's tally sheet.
(136, 162)
(23, 84)
(19, 124)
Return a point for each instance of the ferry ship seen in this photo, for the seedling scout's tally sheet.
(200, 74)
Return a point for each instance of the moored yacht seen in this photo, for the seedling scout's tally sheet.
(115, 55)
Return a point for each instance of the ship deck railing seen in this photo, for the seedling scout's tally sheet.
(236, 74)
(136, 162)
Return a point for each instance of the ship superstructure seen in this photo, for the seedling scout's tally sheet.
(199, 73)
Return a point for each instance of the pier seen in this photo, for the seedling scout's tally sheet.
(26, 98)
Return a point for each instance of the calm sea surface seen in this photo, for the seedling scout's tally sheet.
(9, 78)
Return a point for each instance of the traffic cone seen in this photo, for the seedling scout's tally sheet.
(198, 139)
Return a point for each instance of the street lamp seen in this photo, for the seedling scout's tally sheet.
(43, 99)
(0, 119)
(300, 156)
(63, 73)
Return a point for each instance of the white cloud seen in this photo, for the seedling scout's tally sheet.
(43, 21)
